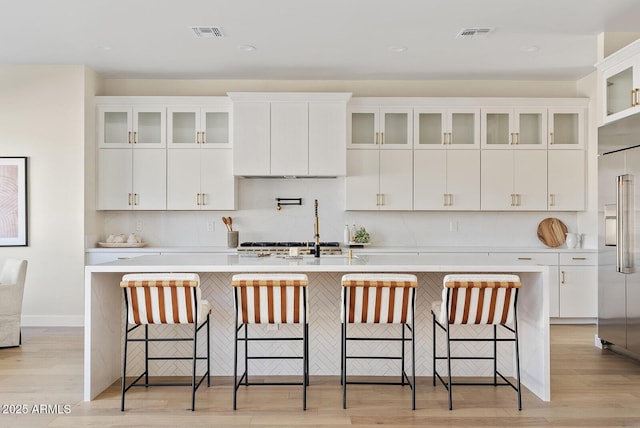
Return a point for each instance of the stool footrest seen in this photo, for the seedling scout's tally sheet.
(382, 339)
(369, 357)
(295, 357)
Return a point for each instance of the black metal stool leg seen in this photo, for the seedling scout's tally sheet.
(433, 332)
(449, 367)
(402, 380)
(495, 354)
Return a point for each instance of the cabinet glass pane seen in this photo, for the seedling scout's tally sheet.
(530, 128)
(619, 87)
(184, 128)
(149, 128)
(395, 128)
(462, 128)
(217, 130)
(363, 128)
(430, 128)
(565, 128)
(116, 128)
(497, 128)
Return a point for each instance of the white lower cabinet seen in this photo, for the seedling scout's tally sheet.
(200, 179)
(379, 180)
(446, 180)
(578, 285)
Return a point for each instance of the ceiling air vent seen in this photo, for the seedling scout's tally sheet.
(207, 32)
(474, 33)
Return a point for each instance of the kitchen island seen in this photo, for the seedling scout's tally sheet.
(103, 310)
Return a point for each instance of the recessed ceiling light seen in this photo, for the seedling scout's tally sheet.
(529, 48)
(398, 48)
(247, 48)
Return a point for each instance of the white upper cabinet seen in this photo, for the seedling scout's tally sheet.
(619, 84)
(566, 126)
(383, 127)
(301, 134)
(514, 128)
(567, 180)
(191, 127)
(379, 180)
(200, 180)
(446, 180)
(125, 126)
(131, 179)
(435, 128)
(513, 180)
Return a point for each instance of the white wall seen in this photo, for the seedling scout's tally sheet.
(42, 117)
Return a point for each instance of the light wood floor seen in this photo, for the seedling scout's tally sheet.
(590, 387)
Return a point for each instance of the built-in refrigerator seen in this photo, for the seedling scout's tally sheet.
(618, 252)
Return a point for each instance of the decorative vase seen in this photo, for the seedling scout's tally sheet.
(572, 240)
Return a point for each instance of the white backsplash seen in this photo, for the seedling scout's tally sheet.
(258, 220)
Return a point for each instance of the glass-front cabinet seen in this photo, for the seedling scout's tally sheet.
(619, 84)
(381, 127)
(446, 128)
(516, 128)
(191, 127)
(566, 128)
(621, 90)
(124, 126)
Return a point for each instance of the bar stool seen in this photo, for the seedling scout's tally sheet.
(490, 299)
(164, 298)
(379, 299)
(270, 299)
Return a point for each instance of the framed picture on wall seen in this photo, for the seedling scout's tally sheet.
(13, 201)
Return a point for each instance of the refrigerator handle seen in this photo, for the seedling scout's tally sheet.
(624, 256)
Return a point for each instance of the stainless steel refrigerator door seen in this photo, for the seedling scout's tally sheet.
(633, 279)
(611, 283)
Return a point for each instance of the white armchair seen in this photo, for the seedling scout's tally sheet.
(11, 292)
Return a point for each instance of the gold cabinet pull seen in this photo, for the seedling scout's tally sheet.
(518, 199)
(129, 199)
(135, 199)
(450, 138)
(444, 138)
(552, 200)
(382, 138)
(377, 199)
(633, 98)
(564, 277)
(197, 137)
(135, 137)
(376, 138)
(197, 198)
(578, 258)
(551, 141)
(525, 258)
(450, 199)
(512, 139)
(517, 140)
(204, 140)
(129, 137)
(513, 204)
(445, 202)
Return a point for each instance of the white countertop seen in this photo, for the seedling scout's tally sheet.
(359, 263)
(365, 249)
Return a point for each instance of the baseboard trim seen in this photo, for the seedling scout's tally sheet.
(52, 321)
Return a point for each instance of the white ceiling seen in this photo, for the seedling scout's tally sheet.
(321, 39)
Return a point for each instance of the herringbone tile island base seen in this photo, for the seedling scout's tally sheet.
(324, 336)
(41, 385)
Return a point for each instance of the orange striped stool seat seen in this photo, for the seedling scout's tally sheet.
(478, 299)
(378, 298)
(270, 299)
(164, 298)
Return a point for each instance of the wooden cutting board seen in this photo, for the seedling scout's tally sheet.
(552, 232)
